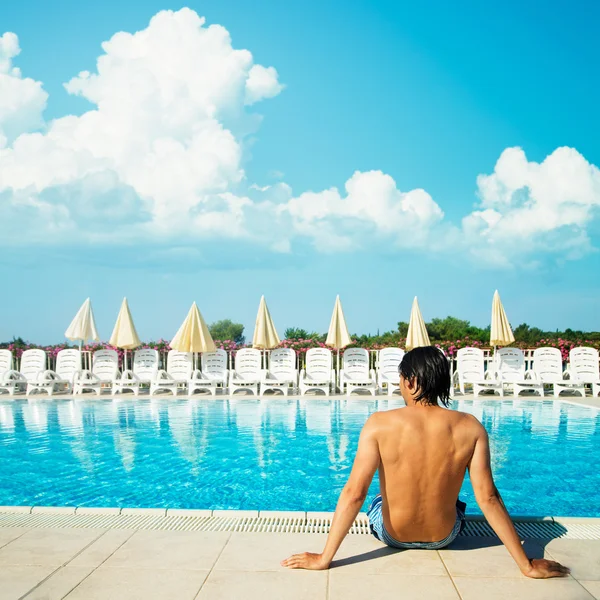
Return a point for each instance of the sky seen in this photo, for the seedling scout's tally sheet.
(216, 151)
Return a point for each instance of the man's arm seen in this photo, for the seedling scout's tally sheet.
(349, 503)
(490, 502)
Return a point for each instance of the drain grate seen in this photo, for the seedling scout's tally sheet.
(272, 524)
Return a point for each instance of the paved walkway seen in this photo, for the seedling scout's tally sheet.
(89, 564)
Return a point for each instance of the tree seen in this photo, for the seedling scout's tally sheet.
(227, 330)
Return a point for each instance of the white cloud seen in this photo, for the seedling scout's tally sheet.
(162, 99)
(528, 207)
(22, 100)
(372, 203)
(159, 157)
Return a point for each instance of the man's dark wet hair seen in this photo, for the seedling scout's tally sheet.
(429, 369)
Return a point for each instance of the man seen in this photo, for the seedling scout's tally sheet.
(422, 452)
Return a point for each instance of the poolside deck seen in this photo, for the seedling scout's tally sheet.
(86, 564)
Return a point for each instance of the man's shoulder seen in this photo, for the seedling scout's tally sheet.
(468, 420)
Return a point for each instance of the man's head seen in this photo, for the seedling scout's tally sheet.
(425, 376)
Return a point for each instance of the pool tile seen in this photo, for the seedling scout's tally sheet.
(282, 514)
(15, 581)
(189, 512)
(60, 583)
(593, 587)
(48, 547)
(16, 509)
(236, 514)
(364, 554)
(291, 585)
(475, 588)
(197, 550)
(484, 557)
(389, 586)
(265, 551)
(97, 510)
(53, 510)
(139, 584)
(95, 554)
(582, 556)
(157, 512)
(8, 534)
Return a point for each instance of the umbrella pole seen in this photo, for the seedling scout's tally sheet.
(338, 369)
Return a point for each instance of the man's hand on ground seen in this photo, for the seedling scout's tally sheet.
(544, 569)
(306, 560)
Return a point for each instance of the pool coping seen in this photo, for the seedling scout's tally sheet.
(247, 514)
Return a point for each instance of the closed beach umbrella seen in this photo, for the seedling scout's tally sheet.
(417, 332)
(338, 336)
(83, 326)
(124, 334)
(500, 333)
(265, 334)
(193, 335)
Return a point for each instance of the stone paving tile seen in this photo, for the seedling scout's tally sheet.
(8, 534)
(59, 584)
(389, 586)
(139, 584)
(52, 547)
(95, 554)
(364, 554)
(593, 587)
(291, 585)
(475, 588)
(15, 581)
(484, 557)
(582, 556)
(265, 551)
(197, 550)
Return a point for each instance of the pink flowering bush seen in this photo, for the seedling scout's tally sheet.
(301, 346)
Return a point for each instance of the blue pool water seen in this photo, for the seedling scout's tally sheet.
(274, 454)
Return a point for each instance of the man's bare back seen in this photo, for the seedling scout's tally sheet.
(424, 454)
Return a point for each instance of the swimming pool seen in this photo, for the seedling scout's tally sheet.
(275, 454)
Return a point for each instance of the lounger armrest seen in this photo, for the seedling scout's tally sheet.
(302, 376)
(129, 375)
(372, 375)
(530, 375)
(332, 376)
(196, 374)
(14, 375)
(567, 375)
(48, 375)
(162, 375)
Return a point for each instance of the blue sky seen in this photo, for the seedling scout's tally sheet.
(430, 96)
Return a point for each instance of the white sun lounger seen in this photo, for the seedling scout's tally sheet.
(212, 375)
(388, 376)
(319, 374)
(105, 370)
(509, 364)
(178, 373)
(585, 368)
(282, 374)
(33, 365)
(145, 370)
(11, 381)
(355, 373)
(247, 373)
(548, 369)
(68, 364)
(470, 369)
